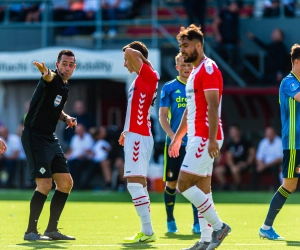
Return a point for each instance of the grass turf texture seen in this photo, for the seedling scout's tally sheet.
(100, 220)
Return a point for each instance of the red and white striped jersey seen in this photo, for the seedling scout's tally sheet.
(203, 78)
(141, 99)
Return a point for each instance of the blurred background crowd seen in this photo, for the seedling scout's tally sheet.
(249, 40)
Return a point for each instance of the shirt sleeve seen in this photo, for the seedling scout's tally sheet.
(148, 74)
(164, 97)
(290, 88)
(210, 77)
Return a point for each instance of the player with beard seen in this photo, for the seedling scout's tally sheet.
(201, 120)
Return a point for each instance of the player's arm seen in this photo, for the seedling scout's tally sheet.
(70, 121)
(177, 139)
(212, 99)
(297, 97)
(47, 74)
(164, 122)
(136, 59)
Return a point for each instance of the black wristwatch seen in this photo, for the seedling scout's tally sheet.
(65, 118)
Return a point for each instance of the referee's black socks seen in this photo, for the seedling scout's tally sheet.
(36, 206)
(57, 205)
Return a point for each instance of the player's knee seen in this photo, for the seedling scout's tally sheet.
(44, 186)
(65, 186)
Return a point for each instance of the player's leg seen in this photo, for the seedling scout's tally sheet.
(40, 172)
(291, 159)
(64, 183)
(195, 187)
(171, 171)
(138, 150)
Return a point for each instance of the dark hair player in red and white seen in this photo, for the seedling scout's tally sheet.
(136, 137)
(202, 122)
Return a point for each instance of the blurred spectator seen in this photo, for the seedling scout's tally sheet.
(239, 158)
(83, 117)
(2, 12)
(196, 12)
(226, 28)
(275, 57)
(8, 161)
(113, 10)
(271, 8)
(116, 157)
(21, 124)
(100, 151)
(78, 154)
(269, 157)
(33, 13)
(61, 10)
(289, 8)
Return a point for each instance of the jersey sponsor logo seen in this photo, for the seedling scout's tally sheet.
(181, 102)
(178, 91)
(57, 100)
(294, 86)
(42, 170)
(185, 166)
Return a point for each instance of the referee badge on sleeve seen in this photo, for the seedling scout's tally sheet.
(57, 100)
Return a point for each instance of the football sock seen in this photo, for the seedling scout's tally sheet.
(170, 197)
(36, 206)
(56, 207)
(142, 204)
(276, 204)
(205, 227)
(195, 214)
(204, 206)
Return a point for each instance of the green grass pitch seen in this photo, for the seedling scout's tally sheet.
(100, 220)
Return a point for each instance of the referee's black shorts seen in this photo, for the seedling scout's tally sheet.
(44, 154)
(172, 165)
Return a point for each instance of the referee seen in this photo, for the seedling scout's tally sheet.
(44, 154)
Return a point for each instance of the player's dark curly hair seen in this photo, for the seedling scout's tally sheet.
(295, 52)
(65, 52)
(139, 46)
(191, 32)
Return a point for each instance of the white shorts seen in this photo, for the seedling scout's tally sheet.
(197, 160)
(138, 149)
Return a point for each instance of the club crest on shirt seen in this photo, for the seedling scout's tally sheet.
(57, 100)
(294, 86)
(209, 68)
(297, 169)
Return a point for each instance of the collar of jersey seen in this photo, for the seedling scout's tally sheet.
(178, 79)
(295, 76)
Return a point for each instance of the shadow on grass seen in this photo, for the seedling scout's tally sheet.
(44, 244)
(292, 243)
(181, 236)
(138, 246)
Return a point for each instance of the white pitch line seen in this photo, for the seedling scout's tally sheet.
(126, 244)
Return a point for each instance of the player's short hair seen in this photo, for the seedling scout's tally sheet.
(177, 58)
(65, 52)
(192, 32)
(139, 46)
(295, 52)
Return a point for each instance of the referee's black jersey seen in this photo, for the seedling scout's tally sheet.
(46, 104)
